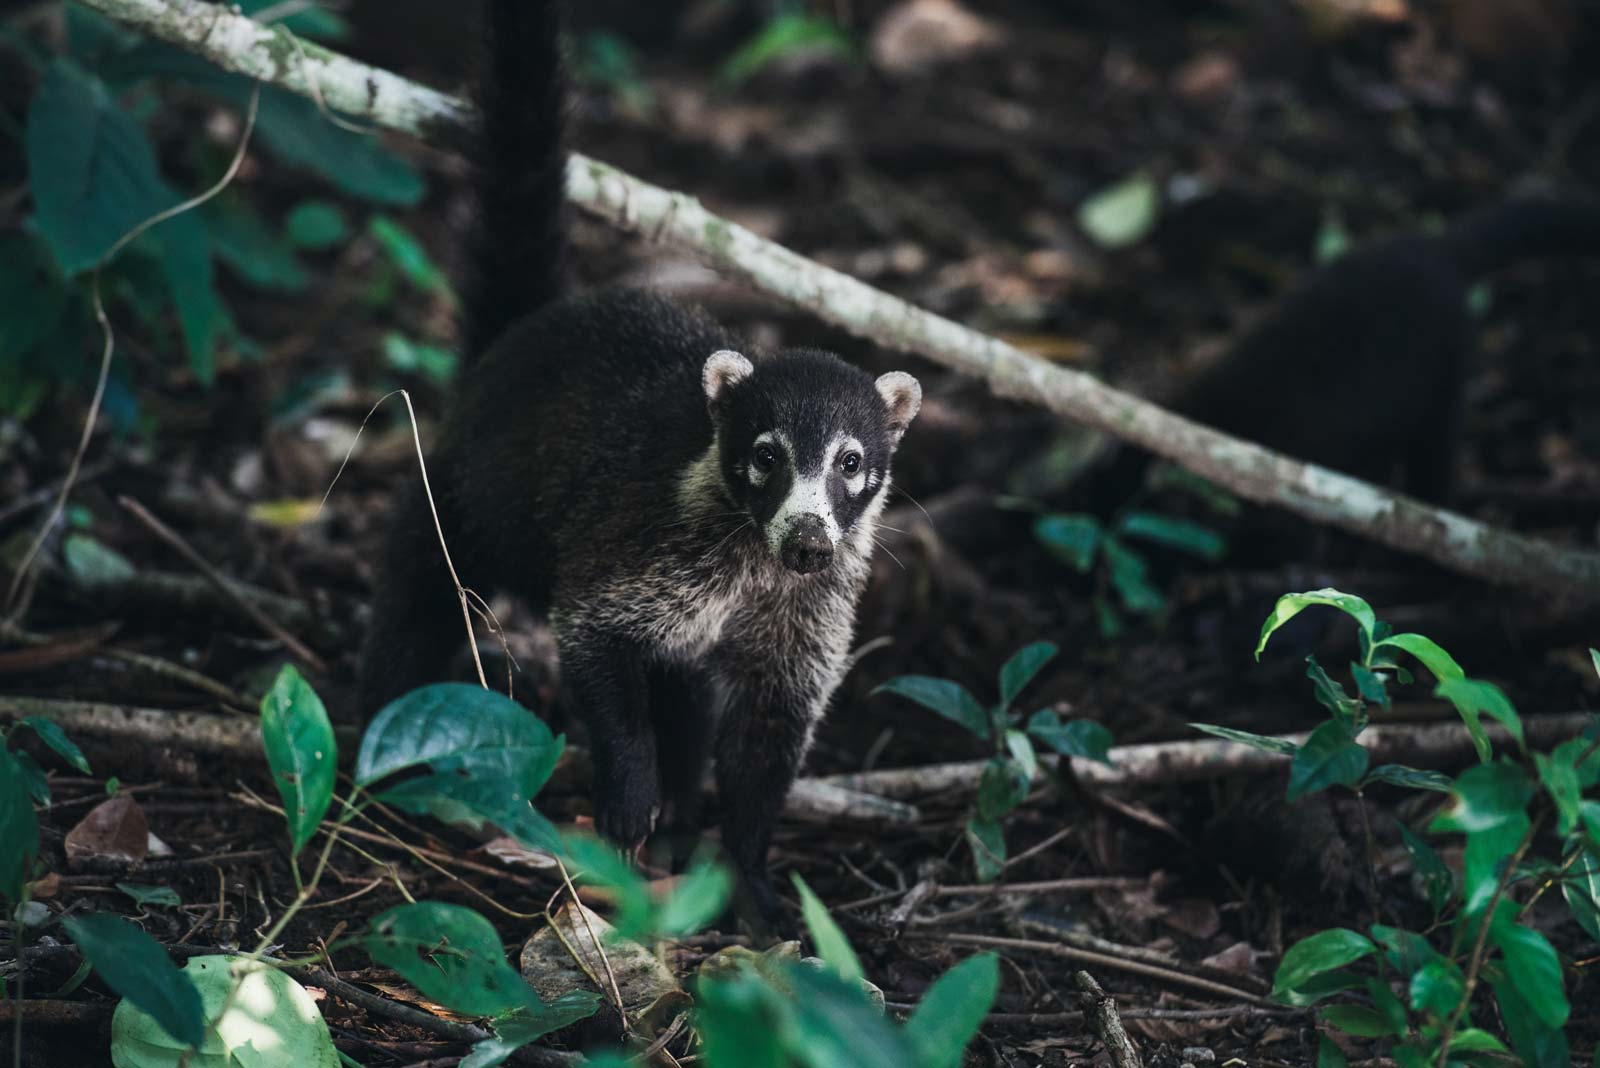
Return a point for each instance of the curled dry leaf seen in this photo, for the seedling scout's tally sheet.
(651, 994)
(113, 833)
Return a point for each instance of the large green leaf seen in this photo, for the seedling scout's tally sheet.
(357, 164)
(1292, 604)
(1474, 698)
(186, 265)
(1437, 987)
(91, 169)
(135, 966)
(518, 1029)
(1073, 539)
(1075, 738)
(51, 734)
(301, 752)
(949, 699)
(452, 955)
(1486, 797)
(270, 1022)
(1581, 888)
(1537, 1045)
(459, 728)
(987, 839)
(1565, 773)
(1330, 757)
(831, 1024)
(832, 945)
(597, 863)
(738, 1022)
(1021, 669)
(1122, 214)
(1406, 951)
(1324, 951)
(1181, 534)
(698, 897)
(952, 1010)
(251, 248)
(1440, 664)
(1534, 971)
(19, 828)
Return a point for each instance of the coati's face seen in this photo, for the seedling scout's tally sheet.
(805, 442)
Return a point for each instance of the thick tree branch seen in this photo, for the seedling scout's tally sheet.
(236, 43)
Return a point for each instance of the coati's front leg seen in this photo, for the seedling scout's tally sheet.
(682, 707)
(607, 675)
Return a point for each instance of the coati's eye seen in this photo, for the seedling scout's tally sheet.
(766, 457)
(850, 463)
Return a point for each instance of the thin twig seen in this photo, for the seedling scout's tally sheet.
(1101, 1009)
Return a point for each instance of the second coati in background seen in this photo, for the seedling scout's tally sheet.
(1361, 367)
(696, 523)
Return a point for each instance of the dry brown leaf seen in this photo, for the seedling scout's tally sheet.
(114, 832)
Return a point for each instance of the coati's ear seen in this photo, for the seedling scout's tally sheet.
(902, 396)
(724, 369)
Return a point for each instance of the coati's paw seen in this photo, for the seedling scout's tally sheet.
(626, 817)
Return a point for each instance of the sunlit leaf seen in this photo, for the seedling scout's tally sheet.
(1437, 986)
(1123, 214)
(784, 35)
(698, 898)
(832, 945)
(1474, 698)
(1324, 951)
(1292, 604)
(298, 738)
(1440, 664)
(952, 1010)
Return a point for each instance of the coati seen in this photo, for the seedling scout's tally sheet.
(1361, 368)
(695, 522)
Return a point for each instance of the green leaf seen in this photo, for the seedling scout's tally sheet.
(1564, 780)
(1021, 669)
(1123, 214)
(51, 734)
(1474, 698)
(92, 564)
(1330, 757)
(317, 224)
(1437, 987)
(270, 1022)
(1082, 738)
(415, 357)
(1485, 858)
(951, 1011)
(1589, 814)
(1181, 534)
(91, 169)
(1072, 539)
(301, 752)
(152, 896)
(1357, 1020)
(1475, 1040)
(949, 699)
(738, 1021)
(452, 955)
(1413, 778)
(1486, 797)
(250, 248)
(1371, 685)
(1332, 696)
(1130, 577)
(185, 249)
(698, 898)
(1406, 951)
(599, 864)
(516, 1030)
(1020, 746)
(1264, 742)
(1534, 971)
(1002, 787)
(407, 253)
(1538, 1046)
(38, 783)
(987, 840)
(1438, 882)
(1292, 604)
(1329, 1055)
(832, 945)
(1581, 888)
(1322, 952)
(135, 966)
(831, 1024)
(784, 35)
(1440, 664)
(301, 136)
(19, 828)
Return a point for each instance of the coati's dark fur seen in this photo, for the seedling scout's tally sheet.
(696, 525)
(1361, 368)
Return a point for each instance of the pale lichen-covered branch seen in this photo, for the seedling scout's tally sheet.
(236, 43)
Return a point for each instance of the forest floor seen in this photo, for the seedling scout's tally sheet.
(954, 185)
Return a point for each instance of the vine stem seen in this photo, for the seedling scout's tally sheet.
(1475, 963)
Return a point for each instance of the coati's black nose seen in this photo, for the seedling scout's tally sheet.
(806, 547)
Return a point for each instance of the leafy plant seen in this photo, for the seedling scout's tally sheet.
(787, 33)
(1403, 986)
(1014, 762)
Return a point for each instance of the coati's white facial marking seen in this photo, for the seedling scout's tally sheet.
(811, 493)
(851, 466)
(767, 454)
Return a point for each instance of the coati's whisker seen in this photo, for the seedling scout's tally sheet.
(887, 550)
(918, 503)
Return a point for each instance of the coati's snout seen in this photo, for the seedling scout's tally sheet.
(806, 547)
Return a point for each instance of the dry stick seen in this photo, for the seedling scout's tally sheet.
(221, 582)
(236, 43)
(1101, 1009)
(1101, 960)
(93, 415)
(1210, 758)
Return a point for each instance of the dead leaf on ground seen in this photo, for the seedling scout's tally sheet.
(114, 832)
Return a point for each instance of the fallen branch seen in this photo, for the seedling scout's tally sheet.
(1430, 745)
(236, 43)
(1101, 1009)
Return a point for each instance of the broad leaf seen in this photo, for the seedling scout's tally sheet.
(469, 727)
(1534, 971)
(1083, 738)
(832, 945)
(1121, 215)
(1371, 685)
(1357, 1020)
(987, 839)
(270, 1022)
(1181, 534)
(949, 699)
(1021, 669)
(1020, 746)
(699, 897)
(19, 828)
(51, 734)
(1073, 539)
(830, 1023)
(1332, 697)
(1329, 1055)
(357, 164)
(1438, 882)
(1292, 604)
(250, 248)
(1486, 797)
(317, 224)
(1537, 1045)
(1474, 698)
(1565, 780)
(135, 966)
(1002, 787)
(1324, 951)
(952, 1010)
(301, 752)
(518, 1029)
(1130, 577)
(598, 863)
(452, 955)
(1437, 987)
(1440, 664)
(1330, 757)
(1264, 742)
(1406, 951)
(738, 1022)
(1581, 888)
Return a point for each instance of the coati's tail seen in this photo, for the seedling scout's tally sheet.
(1526, 227)
(517, 250)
